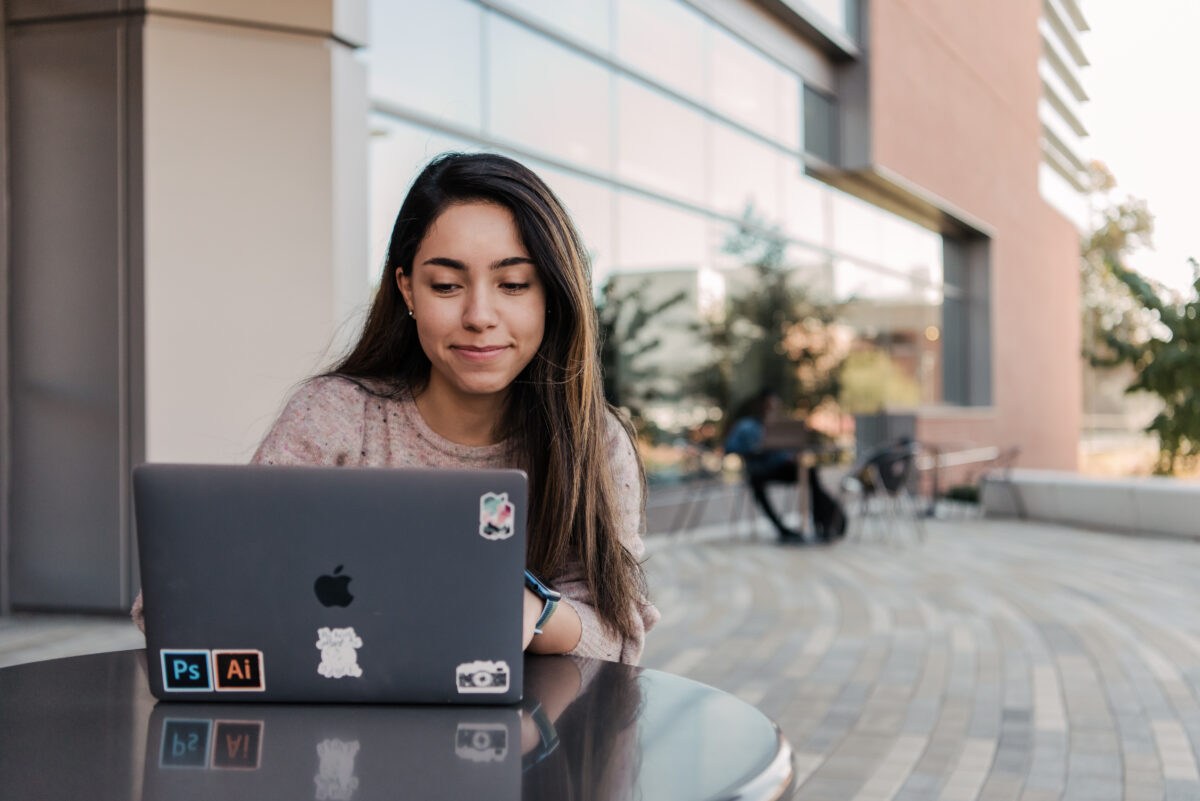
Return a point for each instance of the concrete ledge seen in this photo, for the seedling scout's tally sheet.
(1150, 505)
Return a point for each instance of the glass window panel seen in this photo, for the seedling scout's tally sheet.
(857, 228)
(806, 206)
(853, 280)
(661, 142)
(820, 125)
(655, 236)
(788, 92)
(745, 171)
(664, 39)
(411, 65)
(897, 354)
(398, 151)
(717, 233)
(752, 89)
(591, 208)
(585, 20)
(883, 238)
(812, 270)
(545, 97)
(912, 249)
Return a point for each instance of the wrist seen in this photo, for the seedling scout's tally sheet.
(547, 596)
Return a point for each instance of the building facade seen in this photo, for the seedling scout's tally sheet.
(229, 173)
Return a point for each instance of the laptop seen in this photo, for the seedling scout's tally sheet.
(266, 583)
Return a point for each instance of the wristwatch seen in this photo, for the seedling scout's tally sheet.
(551, 598)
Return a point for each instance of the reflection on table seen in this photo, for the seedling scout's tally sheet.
(88, 727)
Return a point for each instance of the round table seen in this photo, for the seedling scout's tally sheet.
(87, 727)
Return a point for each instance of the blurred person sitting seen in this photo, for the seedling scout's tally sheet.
(763, 467)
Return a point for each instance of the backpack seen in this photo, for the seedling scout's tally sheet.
(829, 519)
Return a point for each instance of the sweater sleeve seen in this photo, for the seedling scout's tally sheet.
(597, 641)
(322, 424)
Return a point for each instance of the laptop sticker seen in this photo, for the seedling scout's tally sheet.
(184, 743)
(185, 670)
(482, 676)
(495, 516)
(481, 742)
(335, 780)
(237, 745)
(339, 654)
(239, 671)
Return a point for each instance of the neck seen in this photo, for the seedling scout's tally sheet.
(462, 419)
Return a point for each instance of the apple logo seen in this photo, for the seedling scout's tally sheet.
(333, 590)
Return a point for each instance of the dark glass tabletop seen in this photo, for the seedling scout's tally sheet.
(87, 727)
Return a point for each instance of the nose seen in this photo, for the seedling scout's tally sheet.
(479, 314)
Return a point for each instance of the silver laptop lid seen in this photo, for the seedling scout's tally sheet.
(332, 584)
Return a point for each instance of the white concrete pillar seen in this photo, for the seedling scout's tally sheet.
(255, 212)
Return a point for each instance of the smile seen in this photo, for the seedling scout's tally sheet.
(479, 354)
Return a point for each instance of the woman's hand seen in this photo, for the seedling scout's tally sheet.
(533, 610)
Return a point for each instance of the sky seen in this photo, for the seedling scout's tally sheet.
(1144, 118)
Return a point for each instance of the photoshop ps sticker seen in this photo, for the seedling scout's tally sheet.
(496, 513)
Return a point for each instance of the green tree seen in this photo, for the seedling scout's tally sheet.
(774, 333)
(1167, 361)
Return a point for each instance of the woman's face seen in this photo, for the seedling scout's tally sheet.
(479, 305)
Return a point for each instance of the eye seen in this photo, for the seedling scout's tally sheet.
(511, 286)
(443, 289)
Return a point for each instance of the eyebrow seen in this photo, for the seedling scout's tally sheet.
(455, 264)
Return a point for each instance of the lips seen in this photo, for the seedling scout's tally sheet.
(479, 353)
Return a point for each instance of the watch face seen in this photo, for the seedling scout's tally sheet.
(540, 588)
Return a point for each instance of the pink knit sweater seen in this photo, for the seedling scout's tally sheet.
(332, 421)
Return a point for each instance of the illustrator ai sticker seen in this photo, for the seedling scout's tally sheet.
(496, 513)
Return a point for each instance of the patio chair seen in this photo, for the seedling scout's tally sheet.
(877, 496)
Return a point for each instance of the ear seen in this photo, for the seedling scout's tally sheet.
(404, 283)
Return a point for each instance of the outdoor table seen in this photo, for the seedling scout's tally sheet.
(87, 727)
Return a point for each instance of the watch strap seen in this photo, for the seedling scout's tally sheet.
(547, 611)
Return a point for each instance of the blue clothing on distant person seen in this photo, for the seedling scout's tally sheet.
(745, 438)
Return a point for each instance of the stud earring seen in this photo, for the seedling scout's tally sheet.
(410, 313)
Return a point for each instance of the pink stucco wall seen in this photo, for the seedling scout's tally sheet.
(954, 106)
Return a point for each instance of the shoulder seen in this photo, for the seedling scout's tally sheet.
(618, 438)
(628, 481)
(321, 423)
(326, 401)
(331, 389)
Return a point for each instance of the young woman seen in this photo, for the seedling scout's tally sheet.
(480, 351)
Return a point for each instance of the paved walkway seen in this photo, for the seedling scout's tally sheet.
(998, 660)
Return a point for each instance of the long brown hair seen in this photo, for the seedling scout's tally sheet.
(555, 418)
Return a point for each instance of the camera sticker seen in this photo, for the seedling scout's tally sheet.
(482, 676)
(481, 742)
(335, 779)
(339, 654)
(496, 514)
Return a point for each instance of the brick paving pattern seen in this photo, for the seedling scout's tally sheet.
(998, 661)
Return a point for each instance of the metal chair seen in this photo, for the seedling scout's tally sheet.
(878, 490)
